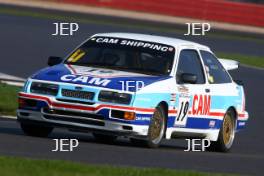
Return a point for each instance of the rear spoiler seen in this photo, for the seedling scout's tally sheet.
(229, 64)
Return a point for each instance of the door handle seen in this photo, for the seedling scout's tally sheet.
(207, 90)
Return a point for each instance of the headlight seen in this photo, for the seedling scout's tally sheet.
(114, 97)
(44, 88)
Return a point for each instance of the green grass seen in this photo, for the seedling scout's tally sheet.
(254, 61)
(13, 166)
(8, 99)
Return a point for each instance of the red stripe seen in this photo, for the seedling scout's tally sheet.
(60, 105)
(35, 97)
(172, 111)
(79, 107)
(222, 114)
(210, 113)
(72, 69)
(241, 115)
(216, 114)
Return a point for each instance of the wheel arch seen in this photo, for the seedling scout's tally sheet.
(233, 109)
(164, 105)
(235, 113)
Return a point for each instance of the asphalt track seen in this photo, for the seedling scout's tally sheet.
(25, 44)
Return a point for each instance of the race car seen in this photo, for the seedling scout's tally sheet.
(143, 87)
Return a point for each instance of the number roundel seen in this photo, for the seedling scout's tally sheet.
(181, 118)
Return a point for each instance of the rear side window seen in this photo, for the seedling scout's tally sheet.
(215, 71)
(189, 62)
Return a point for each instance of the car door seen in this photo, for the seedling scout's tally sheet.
(193, 97)
(220, 83)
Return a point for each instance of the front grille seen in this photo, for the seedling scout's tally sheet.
(75, 101)
(72, 113)
(71, 116)
(77, 94)
(74, 120)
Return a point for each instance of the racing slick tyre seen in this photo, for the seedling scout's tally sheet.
(226, 134)
(36, 130)
(104, 138)
(155, 132)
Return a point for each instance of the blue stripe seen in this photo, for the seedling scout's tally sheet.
(197, 123)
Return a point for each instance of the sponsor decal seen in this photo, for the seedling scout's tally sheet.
(85, 79)
(78, 54)
(105, 40)
(183, 89)
(173, 97)
(241, 123)
(143, 118)
(184, 105)
(212, 123)
(134, 43)
(201, 105)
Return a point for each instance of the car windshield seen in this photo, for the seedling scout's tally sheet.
(125, 55)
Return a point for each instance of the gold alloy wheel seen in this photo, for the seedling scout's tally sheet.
(156, 127)
(228, 129)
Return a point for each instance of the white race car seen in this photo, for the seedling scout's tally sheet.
(144, 87)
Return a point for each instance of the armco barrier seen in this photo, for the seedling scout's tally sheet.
(215, 10)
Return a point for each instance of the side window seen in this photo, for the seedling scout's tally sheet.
(189, 62)
(215, 71)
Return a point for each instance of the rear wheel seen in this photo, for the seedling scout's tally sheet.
(226, 134)
(35, 130)
(156, 130)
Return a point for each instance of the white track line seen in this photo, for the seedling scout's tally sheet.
(8, 117)
(10, 77)
(11, 80)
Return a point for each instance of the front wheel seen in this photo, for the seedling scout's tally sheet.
(156, 130)
(226, 134)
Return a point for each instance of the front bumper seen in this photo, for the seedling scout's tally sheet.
(80, 123)
(50, 112)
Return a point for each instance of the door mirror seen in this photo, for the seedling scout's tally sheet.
(188, 78)
(54, 60)
(239, 82)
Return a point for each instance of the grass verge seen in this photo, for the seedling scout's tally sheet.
(13, 166)
(8, 99)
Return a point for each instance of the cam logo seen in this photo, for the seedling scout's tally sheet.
(201, 104)
(85, 79)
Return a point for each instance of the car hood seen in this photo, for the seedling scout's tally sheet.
(97, 77)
